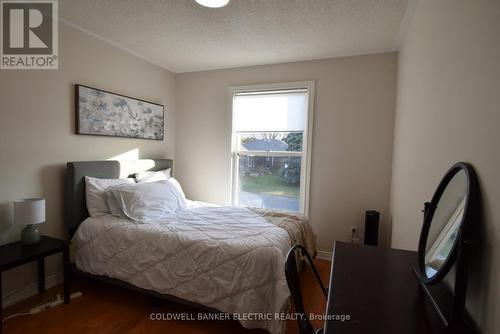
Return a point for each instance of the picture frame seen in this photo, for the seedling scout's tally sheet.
(102, 113)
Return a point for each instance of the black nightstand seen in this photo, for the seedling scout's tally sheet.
(15, 254)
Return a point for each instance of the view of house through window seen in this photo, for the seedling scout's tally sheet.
(269, 148)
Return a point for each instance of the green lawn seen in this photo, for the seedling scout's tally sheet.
(268, 184)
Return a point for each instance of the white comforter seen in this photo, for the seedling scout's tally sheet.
(227, 258)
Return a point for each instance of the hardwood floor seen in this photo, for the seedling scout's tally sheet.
(107, 309)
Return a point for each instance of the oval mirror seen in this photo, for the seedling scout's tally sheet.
(444, 222)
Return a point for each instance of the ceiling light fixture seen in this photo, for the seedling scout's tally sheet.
(213, 3)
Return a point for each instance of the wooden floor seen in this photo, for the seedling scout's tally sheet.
(108, 309)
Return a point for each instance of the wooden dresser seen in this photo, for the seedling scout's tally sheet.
(376, 288)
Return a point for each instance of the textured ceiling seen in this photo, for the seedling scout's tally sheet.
(182, 36)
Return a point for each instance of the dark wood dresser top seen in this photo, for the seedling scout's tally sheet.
(377, 289)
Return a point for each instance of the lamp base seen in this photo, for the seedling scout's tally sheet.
(30, 235)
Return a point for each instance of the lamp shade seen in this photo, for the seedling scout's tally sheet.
(29, 211)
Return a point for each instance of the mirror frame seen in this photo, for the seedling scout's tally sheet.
(463, 234)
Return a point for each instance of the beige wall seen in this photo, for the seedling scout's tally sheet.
(352, 136)
(448, 111)
(37, 128)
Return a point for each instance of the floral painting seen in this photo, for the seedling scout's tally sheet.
(106, 114)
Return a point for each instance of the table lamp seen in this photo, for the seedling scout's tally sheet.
(29, 212)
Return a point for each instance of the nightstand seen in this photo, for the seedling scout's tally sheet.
(15, 254)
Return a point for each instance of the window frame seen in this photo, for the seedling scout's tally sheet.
(306, 146)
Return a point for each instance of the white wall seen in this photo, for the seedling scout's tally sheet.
(37, 129)
(352, 136)
(447, 111)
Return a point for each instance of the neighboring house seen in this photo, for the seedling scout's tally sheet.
(258, 165)
(266, 145)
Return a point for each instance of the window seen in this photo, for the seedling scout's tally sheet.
(270, 146)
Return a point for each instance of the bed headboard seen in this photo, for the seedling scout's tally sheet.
(76, 208)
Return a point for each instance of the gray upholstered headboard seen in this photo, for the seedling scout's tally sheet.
(76, 208)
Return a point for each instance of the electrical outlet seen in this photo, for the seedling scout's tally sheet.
(354, 235)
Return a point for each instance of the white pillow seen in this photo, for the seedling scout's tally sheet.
(116, 209)
(177, 185)
(144, 202)
(161, 175)
(94, 193)
(113, 206)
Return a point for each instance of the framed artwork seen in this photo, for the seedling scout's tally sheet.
(101, 113)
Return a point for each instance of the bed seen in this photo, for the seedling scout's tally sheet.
(224, 259)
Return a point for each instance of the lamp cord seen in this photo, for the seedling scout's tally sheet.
(27, 313)
(13, 316)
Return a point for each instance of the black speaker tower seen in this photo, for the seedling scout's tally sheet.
(371, 227)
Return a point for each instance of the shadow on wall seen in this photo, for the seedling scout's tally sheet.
(53, 189)
(72, 106)
(479, 266)
(7, 226)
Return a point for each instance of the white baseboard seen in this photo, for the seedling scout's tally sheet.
(324, 255)
(30, 290)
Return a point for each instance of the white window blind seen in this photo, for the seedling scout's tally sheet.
(270, 111)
